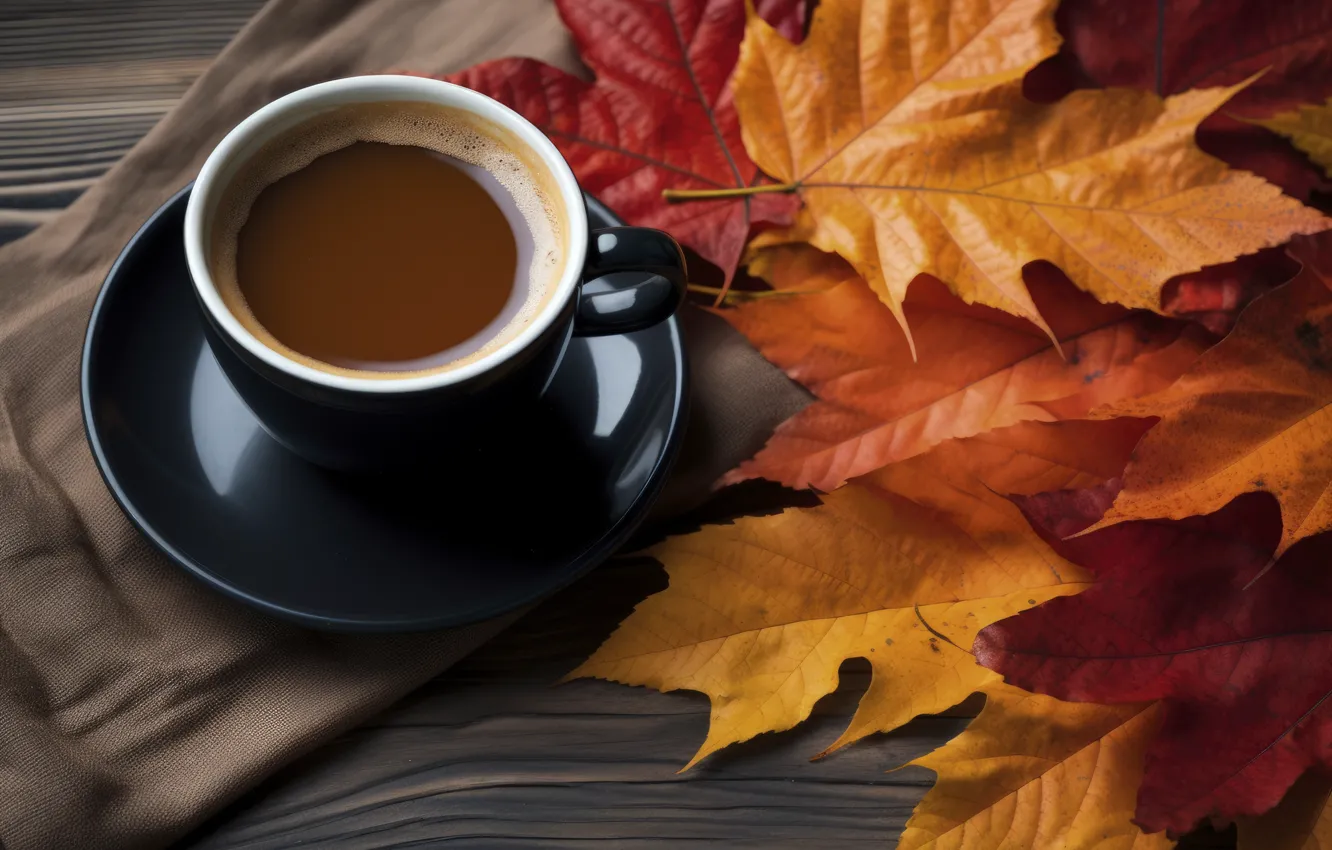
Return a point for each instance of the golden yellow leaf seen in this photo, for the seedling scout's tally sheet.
(1253, 414)
(1039, 774)
(760, 614)
(1302, 821)
(963, 481)
(1309, 128)
(902, 127)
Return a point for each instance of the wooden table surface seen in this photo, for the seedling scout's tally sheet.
(492, 754)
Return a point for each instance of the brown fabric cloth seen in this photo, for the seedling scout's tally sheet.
(134, 702)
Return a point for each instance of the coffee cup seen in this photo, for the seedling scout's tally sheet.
(402, 413)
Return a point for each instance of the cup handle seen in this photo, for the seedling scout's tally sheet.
(634, 278)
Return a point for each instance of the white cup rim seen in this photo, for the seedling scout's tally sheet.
(263, 124)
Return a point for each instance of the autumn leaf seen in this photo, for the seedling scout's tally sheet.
(963, 481)
(1302, 821)
(914, 153)
(1031, 458)
(1062, 513)
(976, 369)
(1214, 296)
(1170, 48)
(659, 115)
(1037, 773)
(759, 615)
(1252, 414)
(1310, 128)
(1243, 668)
(1173, 47)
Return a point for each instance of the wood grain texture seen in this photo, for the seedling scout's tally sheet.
(82, 80)
(494, 754)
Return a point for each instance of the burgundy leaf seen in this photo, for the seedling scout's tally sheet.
(1243, 667)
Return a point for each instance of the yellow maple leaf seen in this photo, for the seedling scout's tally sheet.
(1033, 772)
(903, 129)
(961, 480)
(1301, 821)
(760, 614)
(1254, 413)
(1309, 128)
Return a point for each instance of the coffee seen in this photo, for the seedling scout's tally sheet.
(387, 240)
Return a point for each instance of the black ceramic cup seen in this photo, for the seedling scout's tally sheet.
(615, 280)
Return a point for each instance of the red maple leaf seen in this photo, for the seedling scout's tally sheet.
(1188, 44)
(1244, 670)
(660, 114)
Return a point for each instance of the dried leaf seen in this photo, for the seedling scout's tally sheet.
(759, 615)
(964, 481)
(977, 369)
(1253, 414)
(1215, 296)
(1034, 457)
(914, 153)
(1243, 668)
(660, 114)
(1172, 47)
(1302, 820)
(1310, 128)
(1037, 773)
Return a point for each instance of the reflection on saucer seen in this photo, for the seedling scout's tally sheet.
(223, 426)
(618, 365)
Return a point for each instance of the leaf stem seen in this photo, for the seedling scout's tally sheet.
(675, 196)
(742, 294)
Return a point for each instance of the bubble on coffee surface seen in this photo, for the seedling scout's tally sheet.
(433, 127)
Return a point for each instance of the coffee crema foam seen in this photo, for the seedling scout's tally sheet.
(426, 125)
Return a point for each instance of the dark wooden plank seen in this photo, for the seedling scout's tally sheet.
(496, 754)
(82, 80)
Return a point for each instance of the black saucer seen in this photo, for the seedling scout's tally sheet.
(520, 515)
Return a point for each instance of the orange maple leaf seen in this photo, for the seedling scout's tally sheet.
(906, 136)
(976, 368)
(1254, 413)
